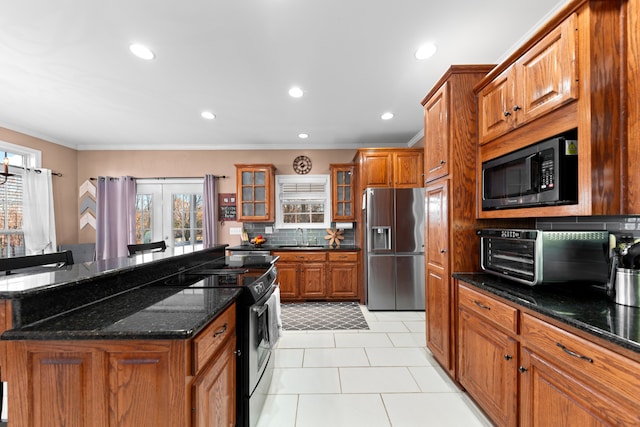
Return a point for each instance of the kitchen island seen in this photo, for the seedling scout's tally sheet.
(124, 342)
(536, 355)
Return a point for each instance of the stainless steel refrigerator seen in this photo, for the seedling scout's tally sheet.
(394, 248)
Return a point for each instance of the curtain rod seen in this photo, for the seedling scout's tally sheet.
(40, 171)
(169, 177)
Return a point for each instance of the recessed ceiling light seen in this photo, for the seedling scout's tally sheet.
(387, 116)
(141, 51)
(425, 51)
(303, 135)
(208, 115)
(295, 92)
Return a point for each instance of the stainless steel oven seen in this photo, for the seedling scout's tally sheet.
(263, 334)
(255, 324)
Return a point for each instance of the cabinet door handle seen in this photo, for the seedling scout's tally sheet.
(481, 305)
(442, 162)
(508, 357)
(516, 108)
(442, 251)
(522, 369)
(220, 331)
(574, 354)
(507, 113)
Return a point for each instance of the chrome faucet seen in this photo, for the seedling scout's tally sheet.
(301, 237)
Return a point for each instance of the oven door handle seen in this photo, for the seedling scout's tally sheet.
(260, 310)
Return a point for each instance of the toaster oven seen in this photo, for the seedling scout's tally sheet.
(535, 257)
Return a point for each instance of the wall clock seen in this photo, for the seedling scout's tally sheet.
(302, 165)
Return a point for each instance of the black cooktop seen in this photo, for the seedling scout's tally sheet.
(255, 279)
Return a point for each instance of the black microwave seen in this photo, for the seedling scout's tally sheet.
(542, 174)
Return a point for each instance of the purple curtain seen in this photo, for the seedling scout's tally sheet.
(115, 216)
(209, 201)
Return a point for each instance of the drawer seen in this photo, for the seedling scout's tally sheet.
(581, 357)
(491, 309)
(296, 256)
(343, 256)
(211, 339)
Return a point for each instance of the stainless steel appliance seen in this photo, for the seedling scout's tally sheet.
(394, 248)
(545, 173)
(255, 324)
(534, 257)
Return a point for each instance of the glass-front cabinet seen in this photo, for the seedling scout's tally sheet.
(342, 203)
(255, 192)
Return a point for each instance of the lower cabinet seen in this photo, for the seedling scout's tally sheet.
(214, 398)
(565, 375)
(343, 275)
(543, 375)
(125, 383)
(439, 321)
(317, 275)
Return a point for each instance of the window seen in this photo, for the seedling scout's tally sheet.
(11, 226)
(171, 211)
(303, 201)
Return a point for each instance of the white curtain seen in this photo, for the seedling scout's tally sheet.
(209, 201)
(38, 219)
(115, 216)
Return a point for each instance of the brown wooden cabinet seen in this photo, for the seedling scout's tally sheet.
(488, 355)
(343, 275)
(563, 375)
(317, 275)
(524, 370)
(439, 298)
(342, 192)
(390, 168)
(543, 79)
(255, 192)
(568, 75)
(214, 399)
(302, 275)
(450, 162)
(137, 383)
(436, 131)
(312, 280)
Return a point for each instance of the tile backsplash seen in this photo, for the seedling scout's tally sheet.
(288, 236)
(619, 225)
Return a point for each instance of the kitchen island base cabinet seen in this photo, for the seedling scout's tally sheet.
(125, 383)
(214, 395)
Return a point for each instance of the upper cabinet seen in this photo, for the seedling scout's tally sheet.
(569, 75)
(436, 135)
(391, 168)
(255, 198)
(342, 192)
(543, 79)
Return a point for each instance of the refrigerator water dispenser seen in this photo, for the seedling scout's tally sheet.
(380, 239)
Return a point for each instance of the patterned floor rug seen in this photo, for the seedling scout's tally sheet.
(314, 316)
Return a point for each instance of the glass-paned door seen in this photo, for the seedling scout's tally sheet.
(172, 212)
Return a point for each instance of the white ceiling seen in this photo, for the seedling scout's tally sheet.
(66, 73)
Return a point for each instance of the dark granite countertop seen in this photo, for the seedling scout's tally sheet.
(583, 306)
(144, 313)
(20, 285)
(267, 247)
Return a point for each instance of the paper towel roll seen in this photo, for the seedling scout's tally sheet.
(344, 225)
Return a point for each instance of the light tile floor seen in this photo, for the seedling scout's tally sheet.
(384, 376)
